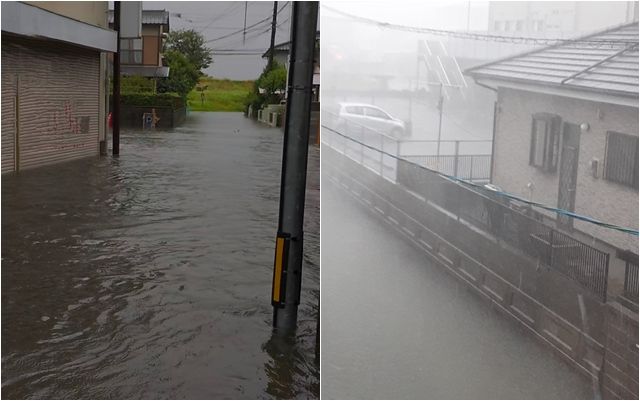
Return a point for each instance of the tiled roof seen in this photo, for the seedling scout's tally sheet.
(603, 62)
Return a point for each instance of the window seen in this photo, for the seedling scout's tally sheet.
(371, 112)
(498, 25)
(358, 110)
(507, 26)
(621, 159)
(545, 139)
(519, 25)
(131, 51)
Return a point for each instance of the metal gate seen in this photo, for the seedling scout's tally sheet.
(568, 173)
(50, 103)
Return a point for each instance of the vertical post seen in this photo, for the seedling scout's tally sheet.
(288, 260)
(16, 139)
(116, 82)
(455, 160)
(244, 33)
(440, 104)
(273, 34)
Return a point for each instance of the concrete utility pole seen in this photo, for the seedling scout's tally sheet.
(287, 276)
(116, 82)
(273, 33)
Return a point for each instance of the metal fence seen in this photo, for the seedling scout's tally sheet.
(482, 208)
(468, 159)
(475, 168)
(630, 291)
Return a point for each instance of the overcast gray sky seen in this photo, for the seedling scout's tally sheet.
(216, 19)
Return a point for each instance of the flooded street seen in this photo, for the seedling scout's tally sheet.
(149, 275)
(399, 327)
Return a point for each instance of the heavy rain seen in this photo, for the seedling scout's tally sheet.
(479, 200)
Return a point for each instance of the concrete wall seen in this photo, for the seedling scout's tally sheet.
(91, 12)
(599, 342)
(595, 197)
(620, 372)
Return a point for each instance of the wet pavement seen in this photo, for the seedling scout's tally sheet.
(396, 326)
(149, 275)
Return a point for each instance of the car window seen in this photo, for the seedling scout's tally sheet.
(354, 110)
(371, 112)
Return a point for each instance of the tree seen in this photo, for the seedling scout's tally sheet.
(274, 83)
(183, 75)
(191, 44)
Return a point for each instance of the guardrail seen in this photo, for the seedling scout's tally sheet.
(468, 159)
(482, 208)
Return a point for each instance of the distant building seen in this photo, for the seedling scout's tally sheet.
(558, 17)
(566, 129)
(539, 19)
(143, 57)
(281, 55)
(54, 81)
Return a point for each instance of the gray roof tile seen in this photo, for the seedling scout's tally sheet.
(610, 66)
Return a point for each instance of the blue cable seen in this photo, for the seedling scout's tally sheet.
(502, 193)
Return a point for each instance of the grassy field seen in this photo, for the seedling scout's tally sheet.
(219, 95)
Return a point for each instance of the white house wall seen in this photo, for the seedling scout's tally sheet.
(595, 197)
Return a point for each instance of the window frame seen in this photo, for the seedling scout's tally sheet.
(551, 145)
(606, 173)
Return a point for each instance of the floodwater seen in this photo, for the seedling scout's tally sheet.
(149, 275)
(395, 326)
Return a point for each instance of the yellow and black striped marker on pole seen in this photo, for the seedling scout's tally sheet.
(280, 270)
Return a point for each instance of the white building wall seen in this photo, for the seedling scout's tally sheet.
(595, 197)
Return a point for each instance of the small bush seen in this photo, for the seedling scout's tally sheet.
(173, 100)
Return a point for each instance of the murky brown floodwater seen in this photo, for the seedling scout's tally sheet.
(149, 275)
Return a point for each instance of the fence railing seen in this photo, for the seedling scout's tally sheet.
(630, 291)
(466, 159)
(482, 208)
(581, 262)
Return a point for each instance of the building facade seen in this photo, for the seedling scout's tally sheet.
(54, 81)
(143, 56)
(566, 130)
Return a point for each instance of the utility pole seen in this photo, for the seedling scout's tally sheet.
(287, 275)
(273, 34)
(468, 14)
(116, 82)
(244, 33)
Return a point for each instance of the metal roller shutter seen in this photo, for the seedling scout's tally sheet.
(8, 116)
(57, 87)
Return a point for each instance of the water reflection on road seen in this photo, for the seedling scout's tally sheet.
(149, 275)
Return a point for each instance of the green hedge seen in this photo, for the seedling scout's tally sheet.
(172, 100)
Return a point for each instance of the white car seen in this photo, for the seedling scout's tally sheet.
(371, 117)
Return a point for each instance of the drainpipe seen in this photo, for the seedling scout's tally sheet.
(287, 277)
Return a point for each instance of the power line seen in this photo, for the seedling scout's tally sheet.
(231, 9)
(262, 21)
(480, 36)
